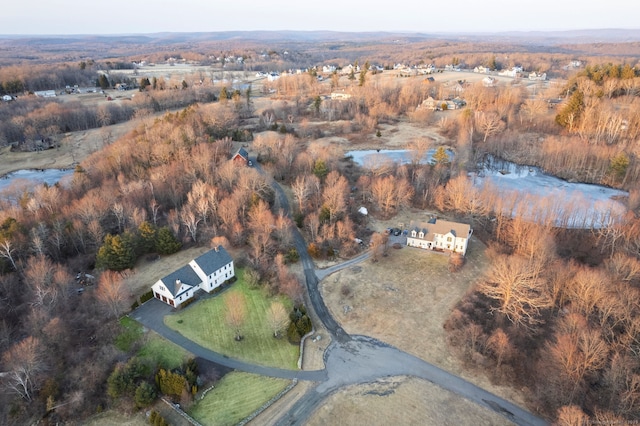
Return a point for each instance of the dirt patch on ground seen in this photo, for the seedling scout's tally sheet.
(404, 300)
(403, 401)
(271, 415)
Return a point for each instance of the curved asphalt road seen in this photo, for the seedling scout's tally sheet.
(348, 360)
(151, 314)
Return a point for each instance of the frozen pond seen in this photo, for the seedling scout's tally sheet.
(526, 190)
(34, 177)
(372, 158)
(541, 196)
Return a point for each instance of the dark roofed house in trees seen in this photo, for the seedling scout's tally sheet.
(241, 157)
(207, 272)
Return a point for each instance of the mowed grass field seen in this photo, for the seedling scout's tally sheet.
(235, 397)
(204, 323)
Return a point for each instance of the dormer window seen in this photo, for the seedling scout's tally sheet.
(413, 233)
(421, 235)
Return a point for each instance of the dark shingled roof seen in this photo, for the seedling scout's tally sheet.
(213, 260)
(186, 275)
(243, 153)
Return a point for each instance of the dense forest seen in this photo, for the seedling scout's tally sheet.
(555, 315)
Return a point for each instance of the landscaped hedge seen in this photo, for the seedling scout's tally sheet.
(146, 296)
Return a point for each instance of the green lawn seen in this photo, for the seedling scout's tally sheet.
(131, 332)
(204, 323)
(154, 348)
(235, 397)
(162, 352)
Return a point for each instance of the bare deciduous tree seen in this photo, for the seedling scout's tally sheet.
(500, 345)
(519, 291)
(379, 247)
(111, 292)
(334, 194)
(572, 415)
(24, 362)
(301, 191)
(391, 193)
(7, 251)
(489, 123)
(235, 312)
(278, 318)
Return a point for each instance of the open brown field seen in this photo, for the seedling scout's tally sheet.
(401, 401)
(405, 298)
(74, 147)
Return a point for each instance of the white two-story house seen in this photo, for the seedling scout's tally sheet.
(207, 272)
(441, 235)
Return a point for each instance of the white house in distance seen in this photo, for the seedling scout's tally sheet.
(207, 272)
(441, 235)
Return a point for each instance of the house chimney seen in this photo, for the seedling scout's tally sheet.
(217, 249)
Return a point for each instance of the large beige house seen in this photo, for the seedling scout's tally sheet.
(440, 235)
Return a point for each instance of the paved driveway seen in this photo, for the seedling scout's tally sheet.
(349, 359)
(151, 315)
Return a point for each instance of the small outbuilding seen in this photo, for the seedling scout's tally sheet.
(241, 157)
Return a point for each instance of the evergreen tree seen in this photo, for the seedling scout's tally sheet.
(627, 72)
(317, 101)
(618, 166)
(145, 394)
(247, 95)
(571, 113)
(224, 94)
(144, 82)
(103, 82)
(440, 156)
(117, 252)
(166, 242)
(320, 169)
(146, 237)
(363, 75)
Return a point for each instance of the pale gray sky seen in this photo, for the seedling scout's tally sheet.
(143, 16)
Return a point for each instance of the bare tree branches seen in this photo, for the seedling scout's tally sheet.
(235, 312)
(24, 361)
(278, 318)
(518, 289)
(111, 292)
